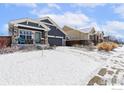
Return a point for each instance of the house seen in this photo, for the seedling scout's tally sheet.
(56, 35)
(28, 31)
(36, 31)
(93, 35)
(83, 36)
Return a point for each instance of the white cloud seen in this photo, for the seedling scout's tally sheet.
(80, 20)
(67, 18)
(39, 12)
(4, 29)
(114, 25)
(119, 10)
(76, 19)
(30, 5)
(53, 5)
(89, 5)
(115, 28)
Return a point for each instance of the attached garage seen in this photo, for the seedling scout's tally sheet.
(55, 41)
(56, 35)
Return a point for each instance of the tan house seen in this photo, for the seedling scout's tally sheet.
(82, 36)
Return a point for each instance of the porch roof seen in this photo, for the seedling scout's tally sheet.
(37, 28)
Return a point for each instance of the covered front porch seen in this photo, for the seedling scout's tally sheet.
(26, 35)
(30, 37)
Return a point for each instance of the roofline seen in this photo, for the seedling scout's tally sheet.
(74, 29)
(30, 27)
(88, 31)
(28, 19)
(47, 17)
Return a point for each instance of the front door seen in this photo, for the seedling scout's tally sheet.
(38, 37)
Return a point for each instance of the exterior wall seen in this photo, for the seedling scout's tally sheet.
(55, 35)
(13, 31)
(84, 36)
(96, 38)
(55, 32)
(76, 35)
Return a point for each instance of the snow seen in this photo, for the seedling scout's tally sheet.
(61, 66)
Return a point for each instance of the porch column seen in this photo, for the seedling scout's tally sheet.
(46, 37)
(33, 37)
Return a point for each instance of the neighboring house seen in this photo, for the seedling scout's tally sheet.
(28, 31)
(82, 36)
(56, 35)
(93, 35)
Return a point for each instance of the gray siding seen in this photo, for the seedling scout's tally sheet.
(54, 31)
(55, 41)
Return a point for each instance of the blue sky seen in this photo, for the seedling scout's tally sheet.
(106, 17)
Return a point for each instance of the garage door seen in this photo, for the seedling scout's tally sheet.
(55, 41)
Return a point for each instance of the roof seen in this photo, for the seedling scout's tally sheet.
(65, 28)
(86, 30)
(15, 22)
(53, 23)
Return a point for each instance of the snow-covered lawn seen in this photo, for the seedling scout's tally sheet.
(62, 66)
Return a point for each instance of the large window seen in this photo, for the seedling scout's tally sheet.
(25, 37)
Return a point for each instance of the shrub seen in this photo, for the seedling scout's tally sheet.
(107, 46)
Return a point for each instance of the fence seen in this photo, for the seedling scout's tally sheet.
(5, 41)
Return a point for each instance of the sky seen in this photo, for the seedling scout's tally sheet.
(104, 17)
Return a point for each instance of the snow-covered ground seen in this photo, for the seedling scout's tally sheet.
(61, 66)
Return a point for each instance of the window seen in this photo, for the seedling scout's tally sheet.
(25, 37)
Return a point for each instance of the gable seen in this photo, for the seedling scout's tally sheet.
(46, 21)
(30, 24)
(93, 31)
(54, 31)
(23, 23)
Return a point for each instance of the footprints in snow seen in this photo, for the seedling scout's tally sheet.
(113, 74)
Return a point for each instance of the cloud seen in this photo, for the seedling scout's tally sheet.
(115, 28)
(114, 25)
(87, 5)
(70, 18)
(29, 5)
(75, 19)
(80, 20)
(67, 18)
(38, 12)
(53, 5)
(119, 9)
(4, 29)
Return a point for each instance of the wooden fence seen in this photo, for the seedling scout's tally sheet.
(5, 41)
